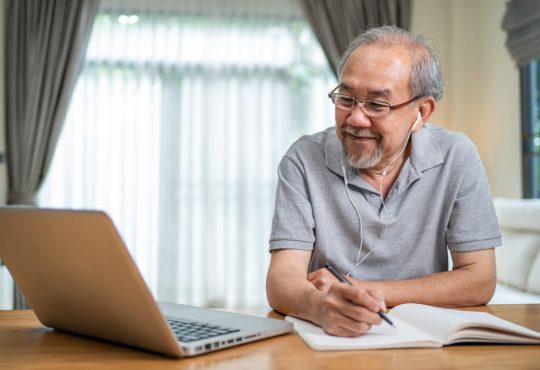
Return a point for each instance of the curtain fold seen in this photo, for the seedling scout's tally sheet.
(522, 25)
(180, 117)
(337, 22)
(45, 42)
(45, 45)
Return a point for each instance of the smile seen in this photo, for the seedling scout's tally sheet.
(361, 137)
(359, 134)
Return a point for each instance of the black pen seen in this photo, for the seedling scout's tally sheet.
(342, 278)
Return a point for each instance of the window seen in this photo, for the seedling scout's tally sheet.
(530, 85)
(176, 127)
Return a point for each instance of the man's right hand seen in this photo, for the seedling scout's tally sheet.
(340, 309)
(349, 311)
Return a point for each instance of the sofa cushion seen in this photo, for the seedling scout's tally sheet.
(505, 294)
(533, 285)
(518, 260)
(515, 258)
(522, 214)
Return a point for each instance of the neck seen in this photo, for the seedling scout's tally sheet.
(391, 165)
(387, 174)
(383, 176)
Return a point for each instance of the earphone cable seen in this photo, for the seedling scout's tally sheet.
(383, 174)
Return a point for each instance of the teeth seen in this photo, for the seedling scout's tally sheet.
(359, 134)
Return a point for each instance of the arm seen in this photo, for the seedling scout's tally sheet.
(340, 310)
(470, 283)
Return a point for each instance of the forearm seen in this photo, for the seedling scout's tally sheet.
(287, 288)
(446, 289)
(469, 284)
(293, 295)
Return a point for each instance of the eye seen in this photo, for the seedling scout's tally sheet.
(375, 106)
(345, 100)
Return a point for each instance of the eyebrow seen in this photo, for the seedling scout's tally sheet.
(383, 93)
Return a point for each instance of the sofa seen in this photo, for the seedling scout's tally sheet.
(518, 259)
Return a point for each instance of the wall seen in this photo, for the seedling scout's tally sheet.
(481, 82)
(3, 174)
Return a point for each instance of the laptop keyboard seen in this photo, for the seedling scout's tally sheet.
(191, 331)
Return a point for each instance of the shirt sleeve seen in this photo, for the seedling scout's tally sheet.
(293, 223)
(473, 222)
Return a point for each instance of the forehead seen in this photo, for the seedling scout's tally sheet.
(374, 70)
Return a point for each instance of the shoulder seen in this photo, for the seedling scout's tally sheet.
(307, 156)
(452, 145)
(310, 147)
(446, 138)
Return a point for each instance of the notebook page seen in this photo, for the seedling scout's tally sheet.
(445, 324)
(380, 336)
(493, 328)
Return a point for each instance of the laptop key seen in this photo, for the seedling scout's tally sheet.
(187, 331)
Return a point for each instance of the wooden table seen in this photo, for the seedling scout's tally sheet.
(26, 344)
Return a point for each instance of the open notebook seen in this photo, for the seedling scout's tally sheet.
(419, 325)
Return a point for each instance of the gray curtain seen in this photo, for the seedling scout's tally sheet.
(522, 25)
(45, 43)
(338, 22)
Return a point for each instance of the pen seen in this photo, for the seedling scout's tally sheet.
(341, 278)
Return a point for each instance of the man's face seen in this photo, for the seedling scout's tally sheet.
(382, 74)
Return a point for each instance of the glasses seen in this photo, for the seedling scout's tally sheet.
(371, 108)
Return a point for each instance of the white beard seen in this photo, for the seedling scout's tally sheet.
(362, 162)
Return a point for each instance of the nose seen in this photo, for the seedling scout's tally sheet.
(357, 117)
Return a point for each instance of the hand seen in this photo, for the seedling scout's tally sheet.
(322, 279)
(349, 311)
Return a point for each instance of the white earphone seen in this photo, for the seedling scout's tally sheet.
(383, 174)
(416, 121)
(346, 182)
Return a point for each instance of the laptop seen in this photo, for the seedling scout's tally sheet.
(78, 276)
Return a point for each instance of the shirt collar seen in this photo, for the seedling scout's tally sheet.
(425, 155)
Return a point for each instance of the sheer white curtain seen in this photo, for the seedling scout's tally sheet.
(179, 119)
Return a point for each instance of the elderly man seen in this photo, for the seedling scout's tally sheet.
(383, 197)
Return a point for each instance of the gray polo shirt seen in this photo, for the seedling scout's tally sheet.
(440, 200)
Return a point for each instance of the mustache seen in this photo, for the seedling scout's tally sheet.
(359, 132)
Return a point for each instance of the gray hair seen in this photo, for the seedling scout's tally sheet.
(425, 78)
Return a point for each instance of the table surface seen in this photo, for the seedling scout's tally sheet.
(25, 343)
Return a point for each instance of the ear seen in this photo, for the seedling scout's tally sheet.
(426, 109)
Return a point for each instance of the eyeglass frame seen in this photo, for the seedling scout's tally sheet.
(360, 102)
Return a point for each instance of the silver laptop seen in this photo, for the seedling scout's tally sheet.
(78, 276)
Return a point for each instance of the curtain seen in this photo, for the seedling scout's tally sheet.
(44, 48)
(338, 22)
(179, 119)
(522, 25)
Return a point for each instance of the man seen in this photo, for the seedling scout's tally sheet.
(383, 197)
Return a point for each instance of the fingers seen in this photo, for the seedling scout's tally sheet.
(322, 279)
(370, 299)
(342, 326)
(346, 310)
(379, 297)
(349, 311)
